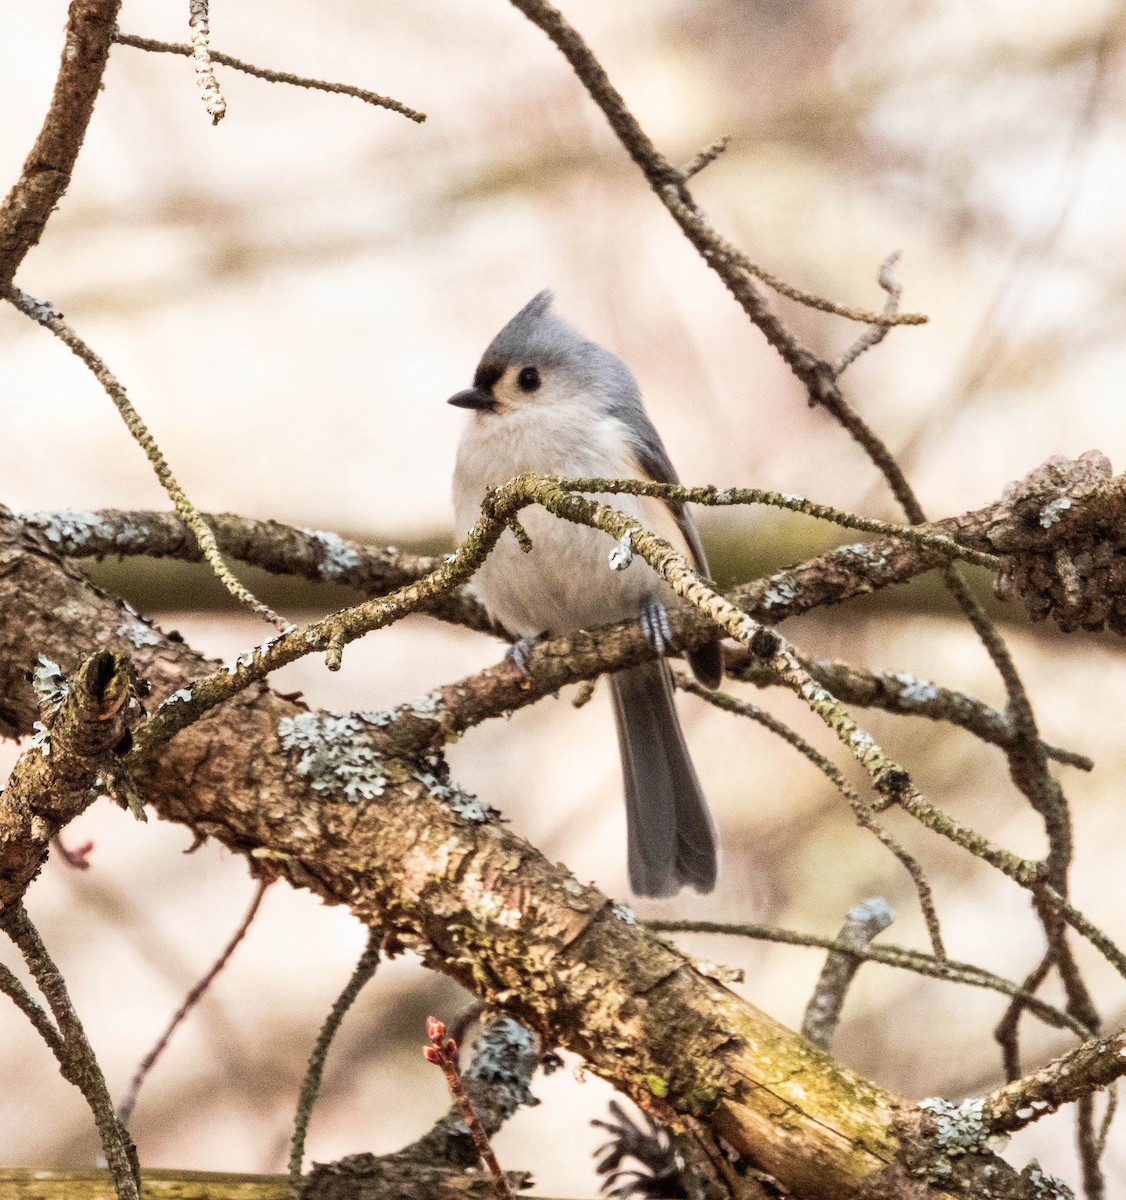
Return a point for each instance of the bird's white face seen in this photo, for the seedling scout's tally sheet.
(507, 388)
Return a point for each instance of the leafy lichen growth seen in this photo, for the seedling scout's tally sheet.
(624, 913)
(506, 1059)
(622, 554)
(455, 798)
(50, 684)
(780, 593)
(338, 558)
(1044, 1186)
(334, 755)
(914, 690)
(1052, 512)
(137, 633)
(957, 1129)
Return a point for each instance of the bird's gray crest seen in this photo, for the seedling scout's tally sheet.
(535, 335)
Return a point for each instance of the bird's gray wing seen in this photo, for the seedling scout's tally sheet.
(655, 464)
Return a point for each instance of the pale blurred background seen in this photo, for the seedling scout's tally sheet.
(290, 297)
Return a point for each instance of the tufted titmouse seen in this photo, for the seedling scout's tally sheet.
(545, 399)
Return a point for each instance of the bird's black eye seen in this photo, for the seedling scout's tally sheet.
(528, 379)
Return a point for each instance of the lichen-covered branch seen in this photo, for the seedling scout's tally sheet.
(317, 555)
(1097, 1063)
(75, 1055)
(46, 315)
(865, 920)
(473, 899)
(907, 695)
(384, 834)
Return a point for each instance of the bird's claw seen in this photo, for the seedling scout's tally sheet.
(655, 626)
(520, 652)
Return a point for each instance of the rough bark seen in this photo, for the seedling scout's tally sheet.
(472, 899)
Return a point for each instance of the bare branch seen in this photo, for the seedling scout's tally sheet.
(311, 1085)
(863, 813)
(302, 81)
(46, 172)
(823, 1012)
(876, 334)
(129, 1101)
(77, 1061)
(706, 156)
(899, 957)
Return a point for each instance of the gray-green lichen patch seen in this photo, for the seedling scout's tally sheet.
(50, 684)
(624, 913)
(866, 552)
(1052, 512)
(337, 558)
(1044, 1186)
(960, 1128)
(779, 593)
(430, 707)
(455, 798)
(335, 757)
(41, 738)
(137, 633)
(506, 1059)
(914, 690)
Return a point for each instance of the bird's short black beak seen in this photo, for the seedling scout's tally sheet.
(473, 397)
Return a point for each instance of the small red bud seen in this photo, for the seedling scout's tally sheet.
(432, 1055)
(450, 1048)
(435, 1030)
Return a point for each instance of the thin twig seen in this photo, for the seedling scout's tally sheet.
(33, 1010)
(77, 1060)
(899, 957)
(861, 811)
(1007, 1031)
(129, 1101)
(442, 1051)
(302, 81)
(823, 1012)
(43, 313)
(311, 1084)
(705, 157)
(875, 334)
(496, 1081)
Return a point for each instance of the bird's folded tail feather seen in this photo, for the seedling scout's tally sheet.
(671, 837)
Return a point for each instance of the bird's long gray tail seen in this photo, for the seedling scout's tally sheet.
(671, 837)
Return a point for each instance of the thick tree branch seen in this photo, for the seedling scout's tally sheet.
(472, 899)
(475, 901)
